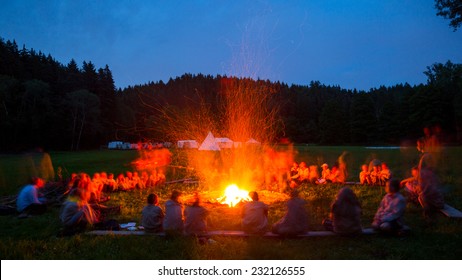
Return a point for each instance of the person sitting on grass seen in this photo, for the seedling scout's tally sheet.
(325, 174)
(173, 220)
(295, 221)
(385, 174)
(254, 215)
(364, 175)
(195, 218)
(28, 202)
(345, 214)
(375, 175)
(161, 179)
(111, 184)
(334, 176)
(389, 216)
(152, 215)
(411, 186)
(430, 196)
(294, 170)
(314, 174)
(76, 214)
(121, 183)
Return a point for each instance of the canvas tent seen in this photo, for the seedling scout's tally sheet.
(187, 144)
(115, 145)
(224, 143)
(209, 143)
(252, 142)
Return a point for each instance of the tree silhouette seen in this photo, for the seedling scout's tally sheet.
(450, 9)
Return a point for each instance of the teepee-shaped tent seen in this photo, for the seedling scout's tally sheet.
(209, 144)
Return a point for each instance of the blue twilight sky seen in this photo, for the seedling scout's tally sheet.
(352, 43)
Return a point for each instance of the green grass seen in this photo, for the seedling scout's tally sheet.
(35, 238)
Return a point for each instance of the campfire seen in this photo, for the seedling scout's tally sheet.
(233, 195)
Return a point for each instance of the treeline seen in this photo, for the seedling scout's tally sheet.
(317, 113)
(44, 103)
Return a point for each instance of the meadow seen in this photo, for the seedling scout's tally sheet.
(36, 237)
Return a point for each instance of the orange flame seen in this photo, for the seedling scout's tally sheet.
(234, 195)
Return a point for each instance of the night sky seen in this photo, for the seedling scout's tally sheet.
(354, 44)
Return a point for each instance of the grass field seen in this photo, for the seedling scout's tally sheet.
(35, 238)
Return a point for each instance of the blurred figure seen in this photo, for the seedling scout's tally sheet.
(137, 181)
(303, 173)
(375, 175)
(152, 215)
(129, 182)
(97, 186)
(345, 215)
(334, 174)
(294, 170)
(111, 184)
(385, 174)
(28, 201)
(195, 218)
(325, 174)
(121, 183)
(76, 214)
(420, 145)
(255, 215)
(144, 179)
(161, 179)
(364, 175)
(173, 220)
(342, 168)
(295, 221)
(314, 173)
(430, 196)
(389, 216)
(411, 186)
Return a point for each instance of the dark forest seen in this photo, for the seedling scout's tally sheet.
(47, 104)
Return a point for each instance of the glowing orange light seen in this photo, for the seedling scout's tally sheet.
(234, 195)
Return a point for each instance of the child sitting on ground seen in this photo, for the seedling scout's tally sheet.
(152, 215)
(345, 215)
(173, 220)
(325, 174)
(76, 214)
(375, 175)
(314, 174)
(255, 215)
(195, 218)
(389, 216)
(430, 196)
(364, 175)
(411, 186)
(295, 221)
(334, 175)
(385, 174)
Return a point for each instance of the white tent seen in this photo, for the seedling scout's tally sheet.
(185, 144)
(209, 144)
(115, 145)
(224, 143)
(252, 142)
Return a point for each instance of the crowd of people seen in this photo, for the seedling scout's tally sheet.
(301, 173)
(123, 182)
(345, 215)
(84, 206)
(374, 174)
